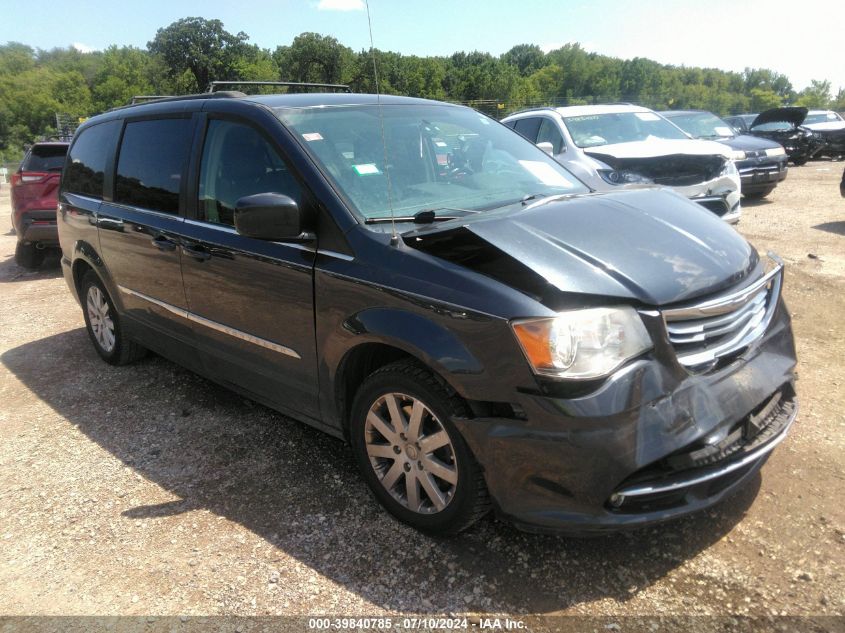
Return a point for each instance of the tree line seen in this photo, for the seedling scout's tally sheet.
(185, 56)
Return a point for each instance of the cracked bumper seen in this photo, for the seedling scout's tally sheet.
(557, 469)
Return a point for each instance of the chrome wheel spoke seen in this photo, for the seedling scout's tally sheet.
(374, 419)
(412, 491)
(381, 450)
(392, 476)
(415, 422)
(434, 493)
(431, 443)
(397, 417)
(441, 470)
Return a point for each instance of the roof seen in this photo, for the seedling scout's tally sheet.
(599, 109)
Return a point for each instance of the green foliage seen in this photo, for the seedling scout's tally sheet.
(816, 95)
(186, 55)
(201, 46)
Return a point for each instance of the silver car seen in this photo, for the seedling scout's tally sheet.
(620, 145)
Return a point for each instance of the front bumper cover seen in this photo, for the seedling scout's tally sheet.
(557, 469)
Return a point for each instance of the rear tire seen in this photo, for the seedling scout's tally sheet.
(103, 324)
(27, 256)
(799, 161)
(410, 454)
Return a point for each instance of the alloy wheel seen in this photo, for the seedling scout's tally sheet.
(99, 317)
(411, 453)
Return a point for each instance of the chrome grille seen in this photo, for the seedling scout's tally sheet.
(705, 332)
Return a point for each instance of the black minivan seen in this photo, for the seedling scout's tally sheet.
(421, 281)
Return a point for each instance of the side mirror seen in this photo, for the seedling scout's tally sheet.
(269, 216)
(547, 147)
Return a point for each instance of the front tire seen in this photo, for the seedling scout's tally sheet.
(28, 256)
(103, 324)
(411, 455)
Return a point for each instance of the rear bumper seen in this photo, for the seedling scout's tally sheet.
(38, 226)
(564, 466)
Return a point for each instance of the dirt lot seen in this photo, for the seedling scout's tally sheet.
(147, 490)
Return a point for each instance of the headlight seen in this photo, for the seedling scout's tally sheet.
(623, 177)
(776, 151)
(582, 344)
(738, 155)
(729, 169)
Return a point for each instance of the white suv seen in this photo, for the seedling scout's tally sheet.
(613, 146)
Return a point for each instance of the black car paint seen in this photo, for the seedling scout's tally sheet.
(801, 143)
(758, 172)
(550, 457)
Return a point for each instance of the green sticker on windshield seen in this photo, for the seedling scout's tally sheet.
(366, 169)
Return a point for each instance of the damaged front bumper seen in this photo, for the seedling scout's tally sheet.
(721, 196)
(654, 442)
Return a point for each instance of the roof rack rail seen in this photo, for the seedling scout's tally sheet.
(145, 98)
(212, 87)
(227, 94)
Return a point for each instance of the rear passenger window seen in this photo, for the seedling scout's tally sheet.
(153, 155)
(86, 162)
(236, 162)
(528, 128)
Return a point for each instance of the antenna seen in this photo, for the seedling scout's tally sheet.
(394, 238)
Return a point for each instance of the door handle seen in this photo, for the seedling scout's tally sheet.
(163, 244)
(110, 224)
(198, 253)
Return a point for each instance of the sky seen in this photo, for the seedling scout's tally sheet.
(803, 42)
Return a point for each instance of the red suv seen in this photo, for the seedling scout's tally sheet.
(35, 189)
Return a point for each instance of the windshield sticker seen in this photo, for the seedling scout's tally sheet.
(366, 169)
(723, 131)
(312, 136)
(647, 116)
(545, 173)
(440, 144)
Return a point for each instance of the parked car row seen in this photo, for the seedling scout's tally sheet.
(762, 163)
(486, 325)
(613, 146)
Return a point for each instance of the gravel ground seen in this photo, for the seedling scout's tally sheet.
(146, 490)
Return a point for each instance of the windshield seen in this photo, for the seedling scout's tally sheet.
(703, 125)
(448, 159)
(592, 130)
(823, 117)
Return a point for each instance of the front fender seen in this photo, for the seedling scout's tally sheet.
(433, 344)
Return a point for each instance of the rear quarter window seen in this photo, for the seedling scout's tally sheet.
(86, 163)
(153, 155)
(44, 158)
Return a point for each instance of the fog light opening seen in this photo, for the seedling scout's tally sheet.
(616, 500)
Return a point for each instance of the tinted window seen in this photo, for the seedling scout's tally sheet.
(45, 158)
(528, 128)
(152, 158)
(87, 159)
(549, 133)
(236, 162)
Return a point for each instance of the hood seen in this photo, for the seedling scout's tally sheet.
(650, 246)
(657, 147)
(748, 143)
(791, 114)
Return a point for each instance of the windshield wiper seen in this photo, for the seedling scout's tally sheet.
(426, 216)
